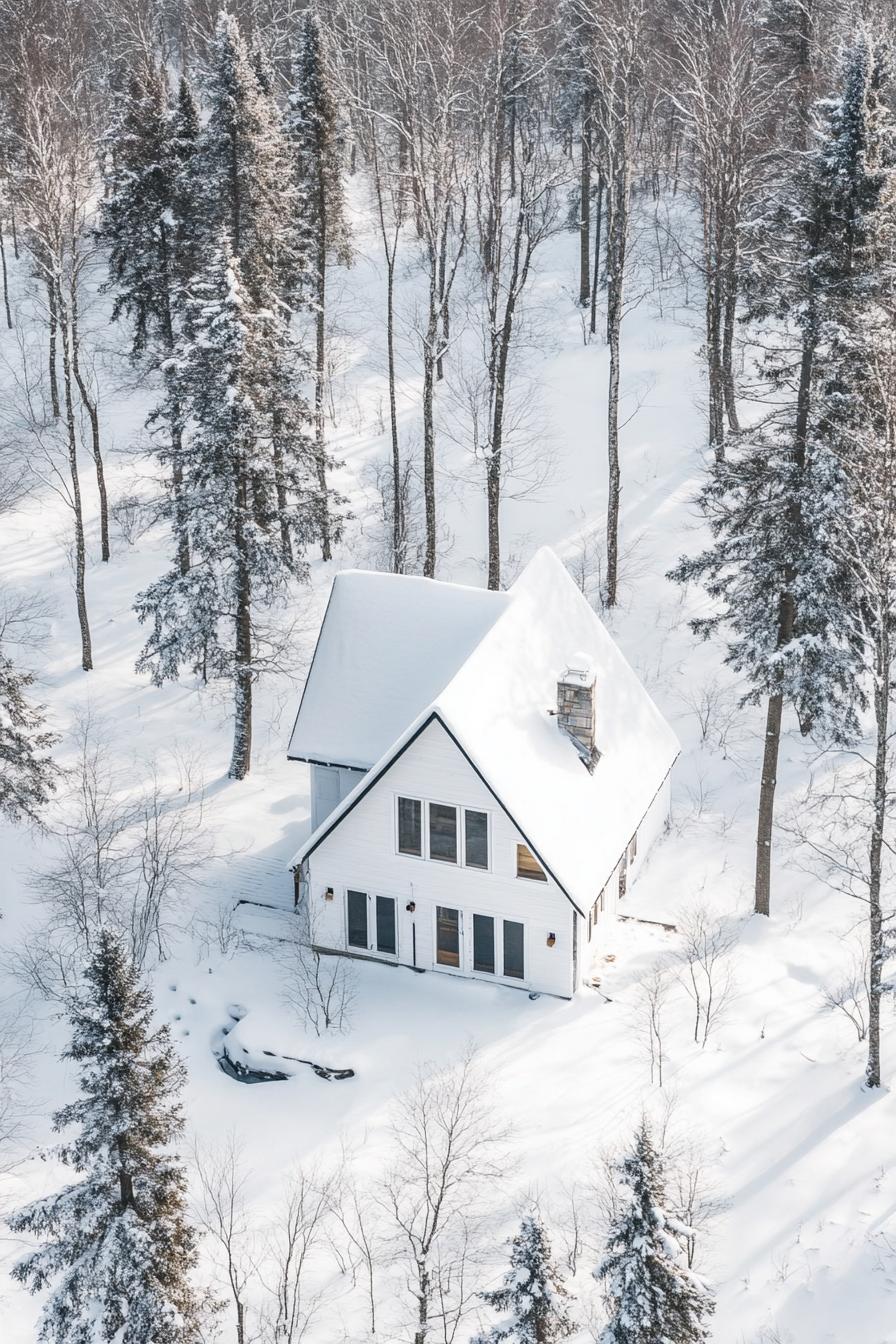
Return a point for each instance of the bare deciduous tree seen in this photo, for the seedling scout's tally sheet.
(706, 943)
(222, 1211)
(447, 1153)
(294, 1248)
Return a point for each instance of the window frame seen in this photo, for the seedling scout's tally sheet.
(478, 867)
(456, 862)
(407, 853)
(540, 876)
(461, 810)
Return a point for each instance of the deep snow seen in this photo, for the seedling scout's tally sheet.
(804, 1251)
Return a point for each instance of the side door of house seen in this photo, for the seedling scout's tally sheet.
(371, 923)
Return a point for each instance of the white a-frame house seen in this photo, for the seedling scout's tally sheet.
(487, 776)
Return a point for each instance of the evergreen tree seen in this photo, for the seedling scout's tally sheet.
(241, 172)
(26, 770)
(147, 222)
(313, 131)
(245, 488)
(650, 1293)
(116, 1249)
(532, 1292)
(783, 595)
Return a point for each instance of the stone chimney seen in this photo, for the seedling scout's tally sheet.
(575, 707)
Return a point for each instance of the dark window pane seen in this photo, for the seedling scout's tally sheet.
(476, 839)
(528, 866)
(410, 830)
(447, 936)
(513, 949)
(443, 832)
(484, 943)
(357, 919)
(385, 925)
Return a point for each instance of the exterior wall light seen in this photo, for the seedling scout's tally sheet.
(328, 894)
(551, 939)
(411, 907)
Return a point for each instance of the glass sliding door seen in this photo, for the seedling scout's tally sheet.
(447, 936)
(357, 919)
(514, 967)
(484, 944)
(386, 940)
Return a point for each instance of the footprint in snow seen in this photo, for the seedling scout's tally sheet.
(237, 1011)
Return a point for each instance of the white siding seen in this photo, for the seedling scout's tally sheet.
(329, 785)
(651, 828)
(361, 854)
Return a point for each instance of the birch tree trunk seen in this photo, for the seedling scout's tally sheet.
(90, 405)
(585, 205)
(80, 556)
(882, 682)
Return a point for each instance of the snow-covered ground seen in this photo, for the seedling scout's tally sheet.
(804, 1249)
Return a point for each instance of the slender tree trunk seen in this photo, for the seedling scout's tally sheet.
(595, 271)
(714, 366)
(585, 205)
(762, 901)
(429, 432)
(882, 681)
(614, 485)
(13, 229)
(728, 327)
(80, 549)
(617, 240)
(423, 1293)
(5, 278)
(398, 557)
(443, 305)
(320, 449)
(242, 727)
(786, 626)
(90, 406)
(54, 327)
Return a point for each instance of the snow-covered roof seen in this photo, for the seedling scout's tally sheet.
(388, 645)
(497, 706)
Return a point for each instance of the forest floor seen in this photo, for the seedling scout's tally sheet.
(798, 1154)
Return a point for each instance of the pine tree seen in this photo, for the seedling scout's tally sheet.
(650, 1293)
(245, 488)
(783, 596)
(532, 1292)
(116, 1248)
(313, 132)
(27, 773)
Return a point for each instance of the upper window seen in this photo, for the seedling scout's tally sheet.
(410, 826)
(443, 832)
(475, 839)
(528, 866)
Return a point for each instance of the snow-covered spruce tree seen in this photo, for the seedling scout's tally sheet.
(312, 127)
(143, 224)
(856, 425)
(650, 1293)
(241, 172)
(245, 485)
(27, 773)
(783, 594)
(116, 1250)
(532, 1295)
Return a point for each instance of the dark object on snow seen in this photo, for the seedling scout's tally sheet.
(234, 1068)
(242, 1074)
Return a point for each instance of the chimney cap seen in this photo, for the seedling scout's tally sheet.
(579, 668)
